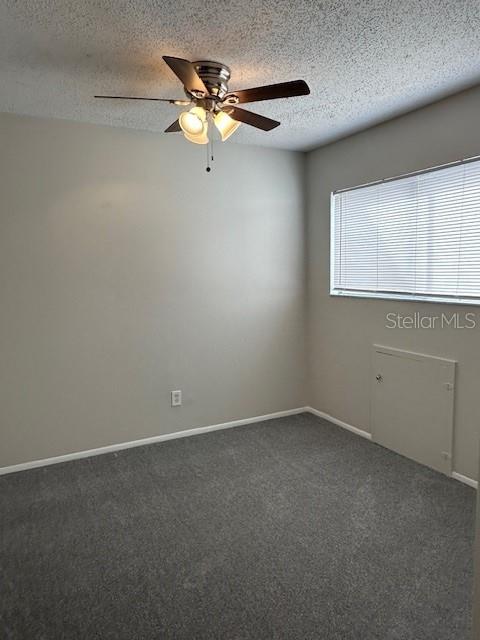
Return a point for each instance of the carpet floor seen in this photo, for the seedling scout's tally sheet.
(290, 529)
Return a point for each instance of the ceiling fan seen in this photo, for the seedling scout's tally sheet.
(210, 101)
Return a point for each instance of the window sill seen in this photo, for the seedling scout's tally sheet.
(370, 295)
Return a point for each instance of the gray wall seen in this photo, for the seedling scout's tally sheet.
(341, 331)
(126, 271)
(476, 595)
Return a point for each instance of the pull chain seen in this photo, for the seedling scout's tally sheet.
(209, 147)
(209, 155)
(208, 169)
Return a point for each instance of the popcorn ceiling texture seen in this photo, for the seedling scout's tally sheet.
(365, 60)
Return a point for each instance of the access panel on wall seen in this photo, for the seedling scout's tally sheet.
(412, 405)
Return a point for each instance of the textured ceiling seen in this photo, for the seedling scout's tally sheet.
(365, 60)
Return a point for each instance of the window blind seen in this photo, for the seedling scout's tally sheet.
(413, 237)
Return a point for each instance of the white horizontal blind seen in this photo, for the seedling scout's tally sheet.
(413, 237)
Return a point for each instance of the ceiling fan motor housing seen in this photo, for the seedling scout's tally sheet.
(215, 76)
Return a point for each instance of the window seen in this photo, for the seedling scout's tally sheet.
(415, 237)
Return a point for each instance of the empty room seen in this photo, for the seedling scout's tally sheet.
(239, 320)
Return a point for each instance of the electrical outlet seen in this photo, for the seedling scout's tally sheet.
(176, 398)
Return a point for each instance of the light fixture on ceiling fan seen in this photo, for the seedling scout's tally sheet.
(194, 124)
(206, 86)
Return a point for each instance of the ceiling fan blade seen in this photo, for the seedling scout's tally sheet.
(253, 119)
(173, 128)
(271, 91)
(171, 101)
(185, 71)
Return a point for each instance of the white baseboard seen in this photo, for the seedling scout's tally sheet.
(465, 479)
(340, 423)
(77, 455)
(23, 466)
(457, 476)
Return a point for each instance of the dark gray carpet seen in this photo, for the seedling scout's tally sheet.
(291, 529)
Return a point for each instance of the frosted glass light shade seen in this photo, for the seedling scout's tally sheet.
(193, 122)
(201, 138)
(225, 124)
